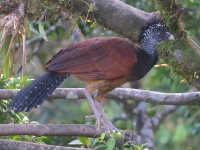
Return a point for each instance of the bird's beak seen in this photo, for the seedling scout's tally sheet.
(169, 36)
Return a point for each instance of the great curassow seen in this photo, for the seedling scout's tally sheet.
(104, 62)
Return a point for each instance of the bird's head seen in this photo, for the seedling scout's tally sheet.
(152, 34)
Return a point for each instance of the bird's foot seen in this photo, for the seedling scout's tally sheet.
(100, 120)
(97, 118)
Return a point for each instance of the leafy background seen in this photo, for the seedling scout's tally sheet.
(180, 130)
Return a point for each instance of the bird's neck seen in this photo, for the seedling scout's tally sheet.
(146, 61)
(149, 45)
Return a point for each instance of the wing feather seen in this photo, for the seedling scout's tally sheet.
(97, 58)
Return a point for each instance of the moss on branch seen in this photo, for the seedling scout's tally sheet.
(35, 8)
(183, 55)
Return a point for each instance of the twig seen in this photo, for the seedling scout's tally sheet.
(192, 98)
(43, 16)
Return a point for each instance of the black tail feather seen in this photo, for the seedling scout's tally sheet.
(36, 92)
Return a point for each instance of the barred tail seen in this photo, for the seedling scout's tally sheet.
(36, 92)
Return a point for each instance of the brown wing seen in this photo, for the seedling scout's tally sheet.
(97, 58)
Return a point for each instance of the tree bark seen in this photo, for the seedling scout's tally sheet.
(114, 15)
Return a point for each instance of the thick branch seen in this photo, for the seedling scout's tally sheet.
(15, 145)
(115, 15)
(192, 98)
(183, 55)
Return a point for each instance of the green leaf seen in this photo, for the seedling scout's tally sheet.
(103, 136)
(6, 61)
(180, 133)
(142, 146)
(95, 141)
(136, 147)
(163, 135)
(1, 44)
(84, 140)
(42, 32)
(93, 25)
(28, 30)
(90, 7)
(118, 135)
(111, 143)
(100, 147)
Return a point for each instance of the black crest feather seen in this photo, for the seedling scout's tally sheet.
(153, 24)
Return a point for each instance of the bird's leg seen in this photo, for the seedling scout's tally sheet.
(103, 88)
(94, 109)
(108, 123)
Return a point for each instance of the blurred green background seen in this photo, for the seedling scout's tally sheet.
(178, 131)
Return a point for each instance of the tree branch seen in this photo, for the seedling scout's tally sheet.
(61, 130)
(192, 98)
(161, 114)
(50, 130)
(183, 55)
(15, 145)
(125, 20)
(143, 125)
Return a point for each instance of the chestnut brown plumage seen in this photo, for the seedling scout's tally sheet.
(104, 62)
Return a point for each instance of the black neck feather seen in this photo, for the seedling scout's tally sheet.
(145, 63)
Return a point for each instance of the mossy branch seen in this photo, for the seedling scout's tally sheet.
(183, 54)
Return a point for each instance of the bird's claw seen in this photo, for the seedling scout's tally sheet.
(97, 118)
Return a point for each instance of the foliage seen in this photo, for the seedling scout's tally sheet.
(9, 116)
(105, 143)
(179, 131)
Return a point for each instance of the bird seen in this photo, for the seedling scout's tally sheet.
(105, 63)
